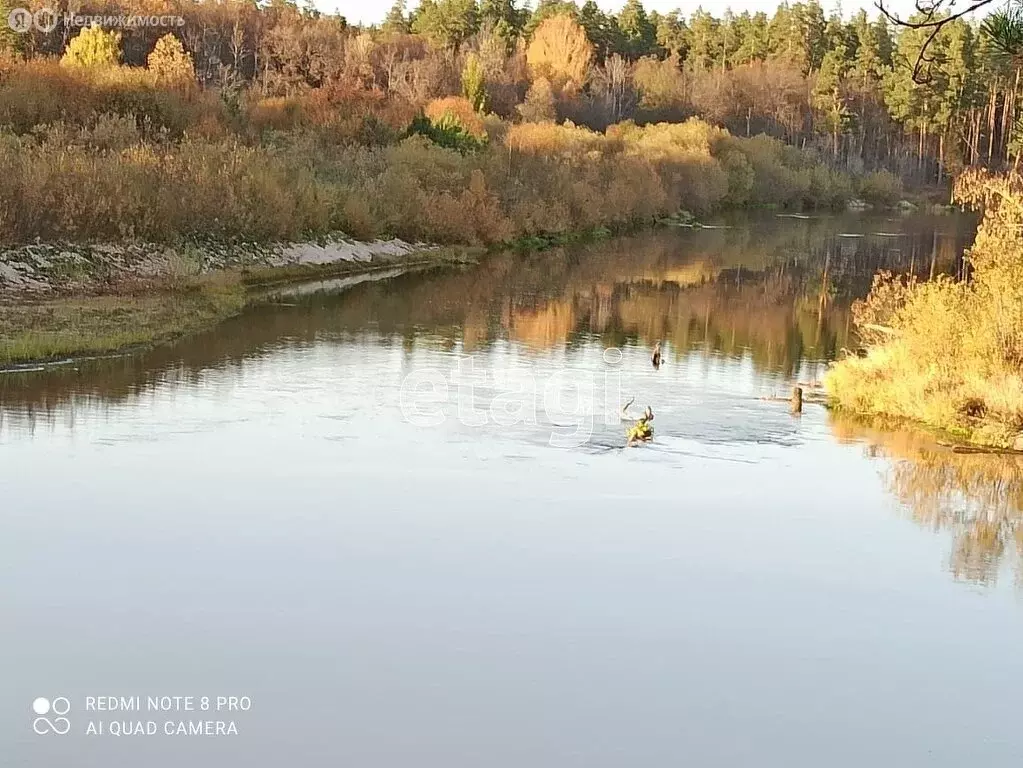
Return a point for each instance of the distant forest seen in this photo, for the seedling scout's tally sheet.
(843, 87)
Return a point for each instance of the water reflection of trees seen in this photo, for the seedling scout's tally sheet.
(778, 291)
(976, 498)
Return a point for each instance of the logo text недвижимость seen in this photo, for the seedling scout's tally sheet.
(22, 20)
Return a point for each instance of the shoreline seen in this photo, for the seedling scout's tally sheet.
(130, 298)
(65, 300)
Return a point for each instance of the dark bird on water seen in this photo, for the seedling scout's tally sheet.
(655, 358)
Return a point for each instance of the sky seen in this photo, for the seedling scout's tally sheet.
(373, 11)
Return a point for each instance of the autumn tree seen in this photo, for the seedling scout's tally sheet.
(539, 106)
(93, 47)
(560, 52)
(170, 63)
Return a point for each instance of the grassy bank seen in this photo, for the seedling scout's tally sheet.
(98, 325)
(56, 329)
(946, 353)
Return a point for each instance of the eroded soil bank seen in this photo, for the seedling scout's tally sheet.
(63, 300)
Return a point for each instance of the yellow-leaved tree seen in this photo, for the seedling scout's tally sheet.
(93, 47)
(560, 52)
(171, 63)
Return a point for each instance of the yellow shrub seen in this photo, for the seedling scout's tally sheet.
(461, 111)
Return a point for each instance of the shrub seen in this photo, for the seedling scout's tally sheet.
(93, 47)
(949, 353)
(539, 106)
(457, 111)
(881, 188)
(170, 63)
(41, 92)
(474, 86)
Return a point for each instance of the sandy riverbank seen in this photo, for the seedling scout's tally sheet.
(59, 269)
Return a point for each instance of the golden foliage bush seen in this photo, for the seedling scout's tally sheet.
(93, 47)
(461, 111)
(171, 64)
(112, 152)
(41, 92)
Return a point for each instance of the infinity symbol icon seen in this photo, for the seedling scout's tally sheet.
(59, 725)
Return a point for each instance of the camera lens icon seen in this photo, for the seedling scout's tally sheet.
(43, 707)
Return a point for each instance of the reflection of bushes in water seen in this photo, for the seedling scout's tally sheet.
(686, 287)
(977, 498)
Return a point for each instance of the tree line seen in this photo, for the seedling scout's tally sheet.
(842, 86)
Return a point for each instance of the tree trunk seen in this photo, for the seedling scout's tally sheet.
(992, 96)
(920, 151)
(941, 156)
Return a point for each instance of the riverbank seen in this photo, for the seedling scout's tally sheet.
(948, 353)
(64, 301)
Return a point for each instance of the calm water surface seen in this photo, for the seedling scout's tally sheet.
(254, 513)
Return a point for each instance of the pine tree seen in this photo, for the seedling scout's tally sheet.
(602, 30)
(705, 34)
(446, 23)
(673, 35)
(827, 93)
(397, 22)
(639, 34)
(501, 16)
(546, 9)
(752, 35)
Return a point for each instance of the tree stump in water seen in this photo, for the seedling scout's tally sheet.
(797, 400)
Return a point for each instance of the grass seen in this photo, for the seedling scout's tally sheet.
(61, 328)
(39, 331)
(944, 353)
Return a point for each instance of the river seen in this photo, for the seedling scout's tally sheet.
(397, 521)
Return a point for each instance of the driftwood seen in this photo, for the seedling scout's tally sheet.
(796, 401)
(798, 395)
